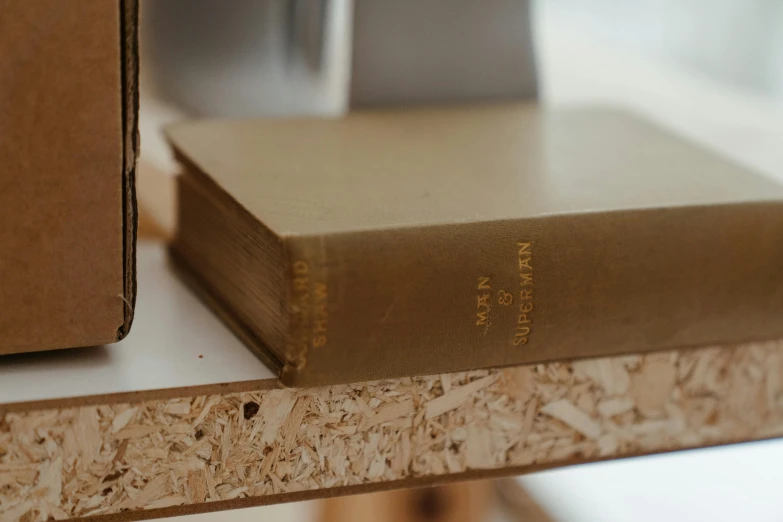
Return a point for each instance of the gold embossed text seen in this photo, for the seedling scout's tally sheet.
(524, 323)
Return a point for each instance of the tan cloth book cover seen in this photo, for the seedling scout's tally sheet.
(68, 144)
(412, 242)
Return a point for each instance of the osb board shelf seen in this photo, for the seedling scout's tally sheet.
(179, 418)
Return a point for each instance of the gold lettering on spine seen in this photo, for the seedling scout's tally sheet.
(524, 323)
(505, 298)
(310, 312)
(300, 313)
(301, 276)
(509, 305)
(483, 303)
(320, 315)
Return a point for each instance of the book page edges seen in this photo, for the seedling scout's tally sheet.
(210, 298)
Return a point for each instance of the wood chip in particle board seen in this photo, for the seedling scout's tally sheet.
(387, 413)
(177, 408)
(615, 406)
(122, 420)
(456, 397)
(572, 416)
(650, 387)
(134, 432)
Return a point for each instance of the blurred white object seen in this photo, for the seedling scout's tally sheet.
(408, 52)
(240, 58)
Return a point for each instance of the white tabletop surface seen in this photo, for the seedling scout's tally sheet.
(175, 341)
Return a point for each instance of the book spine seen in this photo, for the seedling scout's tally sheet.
(369, 305)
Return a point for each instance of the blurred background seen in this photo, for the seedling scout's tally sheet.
(711, 70)
(242, 57)
(736, 42)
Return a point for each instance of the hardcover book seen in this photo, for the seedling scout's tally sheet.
(68, 144)
(398, 243)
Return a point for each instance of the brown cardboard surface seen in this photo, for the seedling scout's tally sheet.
(67, 153)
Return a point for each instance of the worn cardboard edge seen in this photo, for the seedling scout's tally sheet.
(375, 487)
(129, 21)
(209, 297)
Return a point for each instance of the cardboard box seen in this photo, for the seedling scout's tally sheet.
(68, 147)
